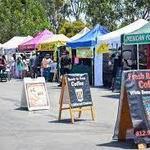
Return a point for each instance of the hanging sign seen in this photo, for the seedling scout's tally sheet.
(84, 53)
(133, 39)
(102, 48)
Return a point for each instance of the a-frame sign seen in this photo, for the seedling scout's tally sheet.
(34, 94)
(133, 120)
(75, 95)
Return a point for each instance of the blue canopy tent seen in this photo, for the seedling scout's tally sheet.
(89, 40)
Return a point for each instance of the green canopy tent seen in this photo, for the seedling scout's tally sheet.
(138, 37)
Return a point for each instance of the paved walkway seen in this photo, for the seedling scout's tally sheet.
(40, 130)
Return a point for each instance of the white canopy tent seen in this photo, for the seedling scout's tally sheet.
(80, 34)
(11, 45)
(114, 38)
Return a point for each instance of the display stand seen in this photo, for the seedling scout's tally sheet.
(34, 94)
(79, 102)
(134, 110)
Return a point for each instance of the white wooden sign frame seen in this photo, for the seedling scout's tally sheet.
(32, 97)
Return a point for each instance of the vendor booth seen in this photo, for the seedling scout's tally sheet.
(85, 58)
(113, 40)
(139, 44)
(133, 118)
(54, 46)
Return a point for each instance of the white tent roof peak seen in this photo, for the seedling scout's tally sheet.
(80, 34)
(15, 41)
(127, 29)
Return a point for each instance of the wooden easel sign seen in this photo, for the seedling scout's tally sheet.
(75, 95)
(34, 94)
(134, 107)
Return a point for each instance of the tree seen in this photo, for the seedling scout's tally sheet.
(105, 12)
(112, 13)
(76, 8)
(55, 11)
(71, 28)
(135, 9)
(21, 17)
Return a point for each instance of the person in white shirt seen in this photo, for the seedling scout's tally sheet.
(45, 65)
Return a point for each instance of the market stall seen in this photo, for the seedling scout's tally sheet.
(94, 62)
(113, 40)
(139, 42)
(53, 44)
(133, 111)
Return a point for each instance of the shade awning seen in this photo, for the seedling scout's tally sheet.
(33, 43)
(12, 44)
(55, 41)
(89, 39)
(140, 36)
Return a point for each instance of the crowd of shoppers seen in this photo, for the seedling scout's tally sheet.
(19, 66)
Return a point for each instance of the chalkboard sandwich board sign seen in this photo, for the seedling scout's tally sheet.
(34, 94)
(117, 80)
(134, 107)
(76, 94)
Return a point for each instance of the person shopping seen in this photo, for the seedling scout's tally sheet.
(45, 65)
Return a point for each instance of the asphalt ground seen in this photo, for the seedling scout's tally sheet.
(40, 130)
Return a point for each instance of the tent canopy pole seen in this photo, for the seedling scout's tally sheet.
(138, 67)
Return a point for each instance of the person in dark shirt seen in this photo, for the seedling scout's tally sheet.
(2, 63)
(65, 63)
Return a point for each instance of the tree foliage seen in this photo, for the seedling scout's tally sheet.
(56, 11)
(113, 12)
(71, 28)
(26, 17)
(135, 9)
(21, 17)
(104, 12)
(76, 8)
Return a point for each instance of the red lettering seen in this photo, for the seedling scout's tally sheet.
(144, 84)
(139, 76)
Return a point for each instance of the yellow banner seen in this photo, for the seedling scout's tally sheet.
(50, 46)
(102, 48)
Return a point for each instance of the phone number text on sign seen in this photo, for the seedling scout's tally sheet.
(142, 133)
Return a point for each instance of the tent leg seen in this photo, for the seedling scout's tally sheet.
(138, 57)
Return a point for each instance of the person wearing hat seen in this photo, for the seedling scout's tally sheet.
(45, 65)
